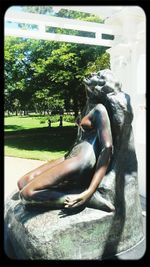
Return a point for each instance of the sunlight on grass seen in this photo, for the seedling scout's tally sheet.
(40, 155)
(15, 123)
(30, 137)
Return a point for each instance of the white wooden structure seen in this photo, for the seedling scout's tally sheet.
(127, 53)
(42, 21)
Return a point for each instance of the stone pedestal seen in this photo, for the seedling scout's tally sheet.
(86, 234)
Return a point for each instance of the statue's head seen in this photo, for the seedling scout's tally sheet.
(99, 84)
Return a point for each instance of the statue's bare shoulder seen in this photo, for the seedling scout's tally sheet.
(101, 108)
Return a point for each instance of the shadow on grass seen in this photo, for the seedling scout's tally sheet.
(43, 139)
(13, 127)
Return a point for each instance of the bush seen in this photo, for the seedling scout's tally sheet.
(69, 118)
(66, 117)
(54, 118)
(42, 122)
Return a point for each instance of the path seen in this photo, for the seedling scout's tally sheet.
(14, 168)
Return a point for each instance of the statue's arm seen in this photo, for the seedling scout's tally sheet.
(105, 138)
(102, 124)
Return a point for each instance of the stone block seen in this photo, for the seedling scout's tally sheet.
(86, 234)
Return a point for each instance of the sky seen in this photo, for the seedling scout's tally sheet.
(12, 24)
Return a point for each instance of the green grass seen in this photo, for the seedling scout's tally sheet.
(27, 137)
(15, 123)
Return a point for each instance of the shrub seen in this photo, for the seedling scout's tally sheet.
(42, 122)
(69, 118)
(53, 118)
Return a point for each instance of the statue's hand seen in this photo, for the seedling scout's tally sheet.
(75, 200)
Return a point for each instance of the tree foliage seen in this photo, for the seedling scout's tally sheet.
(46, 75)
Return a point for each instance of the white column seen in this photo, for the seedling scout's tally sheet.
(128, 61)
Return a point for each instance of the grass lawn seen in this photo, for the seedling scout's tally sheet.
(16, 123)
(29, 137)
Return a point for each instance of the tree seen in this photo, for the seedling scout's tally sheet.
(38, 9)
(36, 69)
(16, 105)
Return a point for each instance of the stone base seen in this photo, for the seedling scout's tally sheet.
(86, 234)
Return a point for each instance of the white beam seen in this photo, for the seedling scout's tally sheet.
(41, 21)
(74, 24)
(57, 37)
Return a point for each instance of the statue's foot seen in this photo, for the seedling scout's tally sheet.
(99, 202)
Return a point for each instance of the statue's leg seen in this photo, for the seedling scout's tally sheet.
(97, 201)
(48, 198)
(24, 180)
(51, 179)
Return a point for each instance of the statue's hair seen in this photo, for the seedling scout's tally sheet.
(108, 92)
(112, 84)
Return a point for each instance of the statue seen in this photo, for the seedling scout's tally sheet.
(96, 182)
(88, 174)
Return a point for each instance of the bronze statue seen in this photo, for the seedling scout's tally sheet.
(83, 175)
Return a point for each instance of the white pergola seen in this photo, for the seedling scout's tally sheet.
(43, 21)
(127, 53)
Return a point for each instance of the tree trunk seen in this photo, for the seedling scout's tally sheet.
(75, 107)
